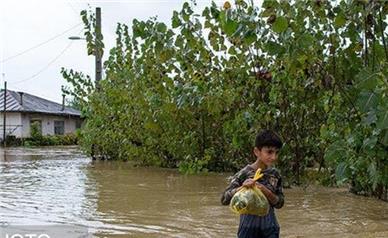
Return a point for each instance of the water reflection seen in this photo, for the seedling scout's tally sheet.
(333, 213)
(40, 186)
(58, 185)
(159, 202)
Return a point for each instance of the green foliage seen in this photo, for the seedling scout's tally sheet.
(12, 140)
(51, 140)
(36, 131)
(193, 95)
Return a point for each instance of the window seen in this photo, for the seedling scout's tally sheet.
(78, 124)
(59, 127)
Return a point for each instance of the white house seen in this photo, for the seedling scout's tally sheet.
(23, 109)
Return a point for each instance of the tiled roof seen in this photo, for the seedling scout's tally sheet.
(33, 104)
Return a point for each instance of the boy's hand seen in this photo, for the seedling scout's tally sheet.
(272, 198)
(248, 183)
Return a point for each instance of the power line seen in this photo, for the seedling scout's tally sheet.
(45, 67)
(40, 44)
(48, 64)
(71, 6)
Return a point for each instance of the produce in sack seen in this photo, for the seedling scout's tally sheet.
(250, 200)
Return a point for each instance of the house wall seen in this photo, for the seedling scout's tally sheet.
(48, 123)
(18, 124)
(26, 126)
(13, 124)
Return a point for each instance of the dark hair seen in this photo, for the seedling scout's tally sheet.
(268, 138)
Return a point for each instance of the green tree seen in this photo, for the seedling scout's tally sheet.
(193, 95)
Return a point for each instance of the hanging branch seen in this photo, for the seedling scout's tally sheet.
(254, 60)
(373, 48)
(366, 39)
(373, 31)
(332, 49)
(203, 146)
(382, 35)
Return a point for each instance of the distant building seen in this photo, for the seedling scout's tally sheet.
(23, 109)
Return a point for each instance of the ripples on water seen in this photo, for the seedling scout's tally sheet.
(58, 185)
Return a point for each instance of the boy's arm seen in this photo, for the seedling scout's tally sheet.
(275, 200)
(233, 187)
(275, 196)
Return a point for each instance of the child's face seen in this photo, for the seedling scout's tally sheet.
(267, 155)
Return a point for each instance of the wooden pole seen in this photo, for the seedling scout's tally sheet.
(98, 46)
(63, 102)
(5, 113)
(98, 63)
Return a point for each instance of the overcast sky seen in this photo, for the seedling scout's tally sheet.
(34, 42)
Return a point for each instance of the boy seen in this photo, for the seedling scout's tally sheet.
(266, 150)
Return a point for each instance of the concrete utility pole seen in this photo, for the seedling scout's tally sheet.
(97, 44)
(4, 113)
(97, 47)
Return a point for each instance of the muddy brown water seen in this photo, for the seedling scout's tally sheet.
(59, 185)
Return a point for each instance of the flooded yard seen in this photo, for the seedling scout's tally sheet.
(59, 185)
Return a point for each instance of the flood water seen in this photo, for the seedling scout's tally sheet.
(59, 185)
